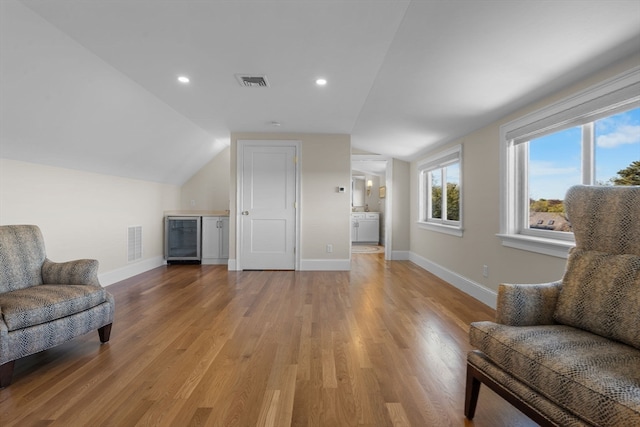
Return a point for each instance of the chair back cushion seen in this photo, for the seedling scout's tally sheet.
(601, 294)
(601, 284)
(604, 218)
(22, 254)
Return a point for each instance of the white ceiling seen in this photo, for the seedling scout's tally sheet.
(92, 84)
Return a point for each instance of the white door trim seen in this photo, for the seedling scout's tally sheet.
(239, 192)
(388, 207)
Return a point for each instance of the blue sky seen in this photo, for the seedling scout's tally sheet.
(555, 160)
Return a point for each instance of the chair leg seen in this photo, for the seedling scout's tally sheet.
(105, 333)
(6, 372)
(472, 393)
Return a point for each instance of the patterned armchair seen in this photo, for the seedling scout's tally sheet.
(43, 303)
(567, 353)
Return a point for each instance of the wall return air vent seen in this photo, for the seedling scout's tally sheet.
(252, 80)
(134, 243)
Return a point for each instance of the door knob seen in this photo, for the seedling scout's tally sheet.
(245, 212)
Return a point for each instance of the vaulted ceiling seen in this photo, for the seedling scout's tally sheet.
(93, 84)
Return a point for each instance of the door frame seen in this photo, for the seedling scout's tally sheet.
(388, 202)
(241, 143)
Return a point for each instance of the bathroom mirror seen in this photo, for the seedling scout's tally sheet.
(357, 191)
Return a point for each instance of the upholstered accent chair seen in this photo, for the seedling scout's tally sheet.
(43, 303)
(567, 353)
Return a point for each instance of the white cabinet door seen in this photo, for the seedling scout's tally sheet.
(368, 230)
(224, 237)
(210, 237)
(354, 230)
(215, 240)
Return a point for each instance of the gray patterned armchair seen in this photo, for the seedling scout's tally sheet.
(43, 303)
(567, 353)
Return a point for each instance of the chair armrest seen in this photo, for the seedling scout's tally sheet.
(78, 272)
(527, 305)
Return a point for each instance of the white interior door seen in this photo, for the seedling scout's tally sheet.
(268, 206)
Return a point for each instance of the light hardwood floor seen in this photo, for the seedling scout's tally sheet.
(382, 345)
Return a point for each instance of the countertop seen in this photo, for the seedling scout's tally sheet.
(196, 213)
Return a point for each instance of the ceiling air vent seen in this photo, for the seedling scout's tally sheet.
(248, 80)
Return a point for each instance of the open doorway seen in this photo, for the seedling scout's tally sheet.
(372, 190)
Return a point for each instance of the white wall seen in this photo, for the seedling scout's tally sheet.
(325, 163)
(460, 260)
(86, 215)
(208, 189)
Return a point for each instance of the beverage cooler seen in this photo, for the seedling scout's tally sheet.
(182, 238)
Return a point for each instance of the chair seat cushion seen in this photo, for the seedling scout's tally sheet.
(591, 376)
(32, 306)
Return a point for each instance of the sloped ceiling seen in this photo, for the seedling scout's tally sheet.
(92, 84)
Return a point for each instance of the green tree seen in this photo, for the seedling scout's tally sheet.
(541, 205)
(629, 175)
(453, 202)
(546, 205)
(436, 202)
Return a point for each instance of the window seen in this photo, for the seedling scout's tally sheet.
(441, 192)
(592, 138)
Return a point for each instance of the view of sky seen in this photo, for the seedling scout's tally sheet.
(555, 160)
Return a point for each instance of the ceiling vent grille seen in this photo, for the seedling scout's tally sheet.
(248, 80)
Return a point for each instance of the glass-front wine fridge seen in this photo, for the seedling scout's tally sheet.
(182, 238)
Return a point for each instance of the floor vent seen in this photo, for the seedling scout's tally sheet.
(134, 243)
(247, 80)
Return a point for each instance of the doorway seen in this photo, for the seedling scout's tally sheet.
(381, 169)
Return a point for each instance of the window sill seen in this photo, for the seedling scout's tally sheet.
(541, 245)
(441, 228)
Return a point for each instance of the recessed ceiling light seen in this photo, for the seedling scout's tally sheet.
(321, 82)
(183, 79)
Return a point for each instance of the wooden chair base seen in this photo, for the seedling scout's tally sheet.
(105, 333)
(6, 372)
(475, 378)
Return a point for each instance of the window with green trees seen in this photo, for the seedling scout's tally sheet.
(440, 191)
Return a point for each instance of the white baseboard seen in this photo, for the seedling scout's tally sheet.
(476, 290)
(113, 276)
(325, 264)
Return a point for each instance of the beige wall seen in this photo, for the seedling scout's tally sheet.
(86, 215)
(400, 201)
(325, 163)
(464, 257)
(208, 189)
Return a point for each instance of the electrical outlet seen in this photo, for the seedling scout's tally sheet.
(193, 203)
(329, 248)
(485, 270)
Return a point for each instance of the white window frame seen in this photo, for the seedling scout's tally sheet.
(443, 159)
(607, 98)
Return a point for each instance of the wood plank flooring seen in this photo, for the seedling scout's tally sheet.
(382, 345)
